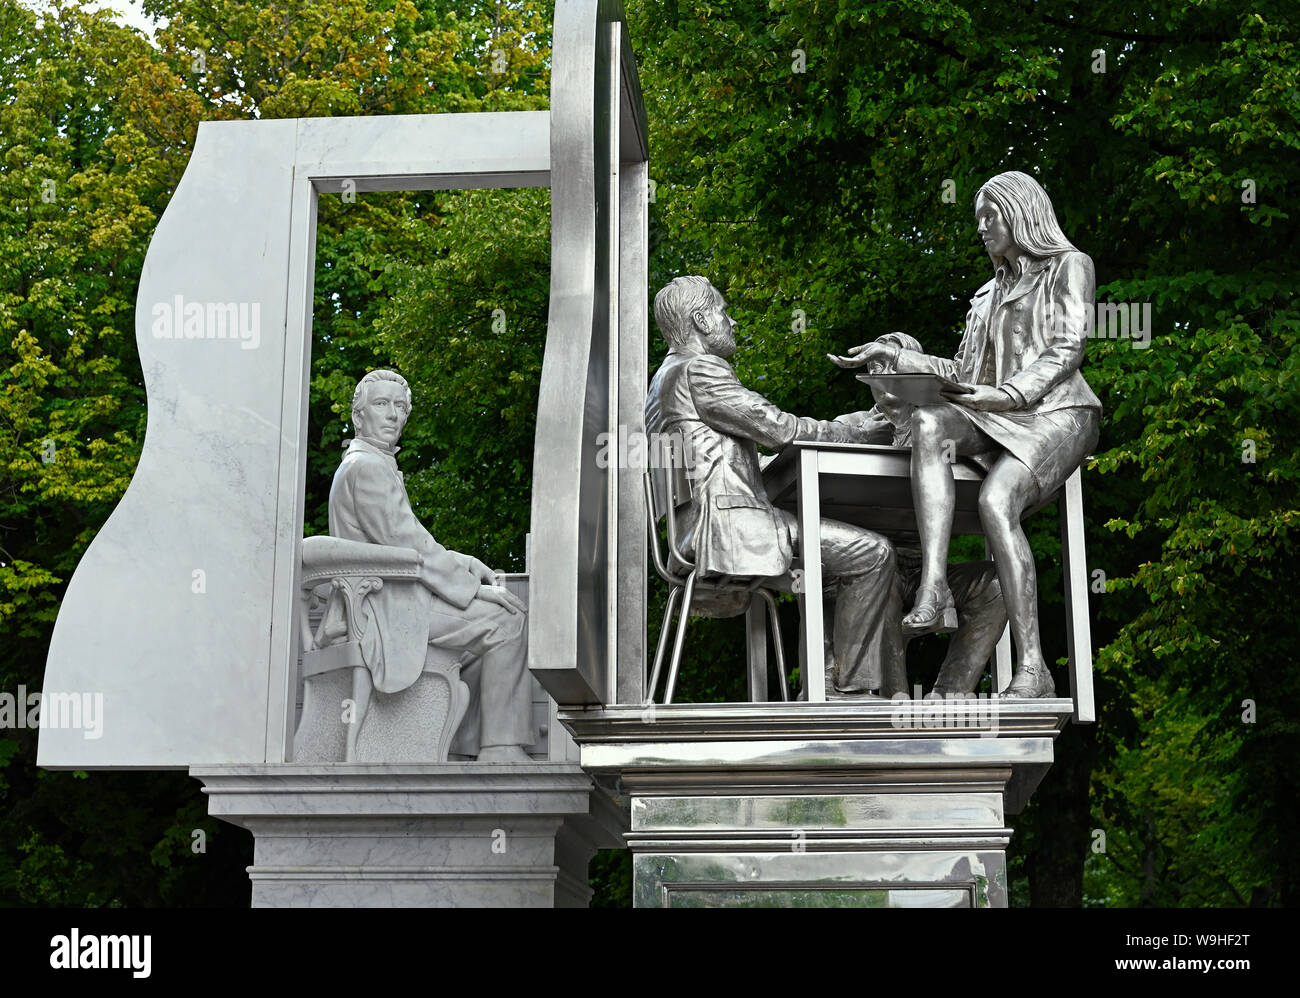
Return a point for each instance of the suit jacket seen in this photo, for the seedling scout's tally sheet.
(732, 527)
(1030, 339)
(368, 502)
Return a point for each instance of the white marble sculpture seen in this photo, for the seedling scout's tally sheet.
(404, 615)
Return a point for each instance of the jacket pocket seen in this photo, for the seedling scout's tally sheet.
(739, 502)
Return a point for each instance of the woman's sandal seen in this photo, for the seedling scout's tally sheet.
(938, 618)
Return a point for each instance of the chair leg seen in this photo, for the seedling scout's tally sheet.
(673, 594)
(681, 637)
(362, 684)
(776, 641)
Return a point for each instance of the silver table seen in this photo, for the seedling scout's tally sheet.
(870, 485)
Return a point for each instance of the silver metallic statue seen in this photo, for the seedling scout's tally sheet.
(1029, 415)
(470, 614)
(733, 529)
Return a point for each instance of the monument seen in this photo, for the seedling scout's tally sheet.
(1019, 403)
(424, 767)
(734, 530)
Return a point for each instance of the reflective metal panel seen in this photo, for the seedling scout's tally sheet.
(597, 121)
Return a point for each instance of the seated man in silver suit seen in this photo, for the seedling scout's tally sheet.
(732, 528)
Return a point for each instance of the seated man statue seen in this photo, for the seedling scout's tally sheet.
(471, 616)
(732, 528)
(981, 612)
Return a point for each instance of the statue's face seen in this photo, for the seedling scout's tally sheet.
(384, 414)
(717, 327)
(993, 228)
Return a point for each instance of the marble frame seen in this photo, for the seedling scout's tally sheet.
(203, 672)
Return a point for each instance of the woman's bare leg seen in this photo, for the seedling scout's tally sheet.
(1007, 491)
(939, 434)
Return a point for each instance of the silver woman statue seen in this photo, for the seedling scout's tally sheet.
(1029, 417)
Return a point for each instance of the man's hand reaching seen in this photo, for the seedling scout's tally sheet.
(882, 354)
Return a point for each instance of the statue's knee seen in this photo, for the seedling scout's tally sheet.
(997, 510)
(927, 423)
(878, 553)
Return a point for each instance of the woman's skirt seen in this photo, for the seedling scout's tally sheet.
(1050, 444)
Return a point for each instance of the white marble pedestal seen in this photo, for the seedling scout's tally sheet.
(837, 804)
(457, 835)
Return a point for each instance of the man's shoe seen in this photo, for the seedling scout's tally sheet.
(857, 695)
(1030, 683)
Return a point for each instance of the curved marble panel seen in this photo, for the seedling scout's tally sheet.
(168, 613)
(597, 123)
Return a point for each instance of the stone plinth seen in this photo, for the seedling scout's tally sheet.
(820, 805)
(455, 835)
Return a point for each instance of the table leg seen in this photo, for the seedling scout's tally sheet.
(810, 600)
(1077, 625)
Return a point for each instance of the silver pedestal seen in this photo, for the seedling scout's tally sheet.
(837, 804)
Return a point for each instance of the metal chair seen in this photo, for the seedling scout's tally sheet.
(666, 490)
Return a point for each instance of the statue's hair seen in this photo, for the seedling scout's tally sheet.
(1028, 211)
(903, 340)
(361, 393)
(677, 301)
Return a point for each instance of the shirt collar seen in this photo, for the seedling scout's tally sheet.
(373, 446)
(1032, 265)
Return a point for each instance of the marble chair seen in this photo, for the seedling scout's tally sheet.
(363, 631)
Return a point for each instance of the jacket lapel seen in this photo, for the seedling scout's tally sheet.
(977, 321)
(1029, 279)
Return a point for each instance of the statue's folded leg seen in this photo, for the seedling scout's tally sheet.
(493, 643)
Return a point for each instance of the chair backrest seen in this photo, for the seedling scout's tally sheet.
(667, 489)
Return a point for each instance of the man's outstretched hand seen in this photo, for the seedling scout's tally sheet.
(860, 356)
(502, 597)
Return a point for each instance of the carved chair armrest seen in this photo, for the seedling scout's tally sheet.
(338, 576)
(327, 558)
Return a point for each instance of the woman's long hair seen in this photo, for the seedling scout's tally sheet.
(1028, 211)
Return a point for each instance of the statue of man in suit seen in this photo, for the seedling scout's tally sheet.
(469, 613)
(732, 527)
